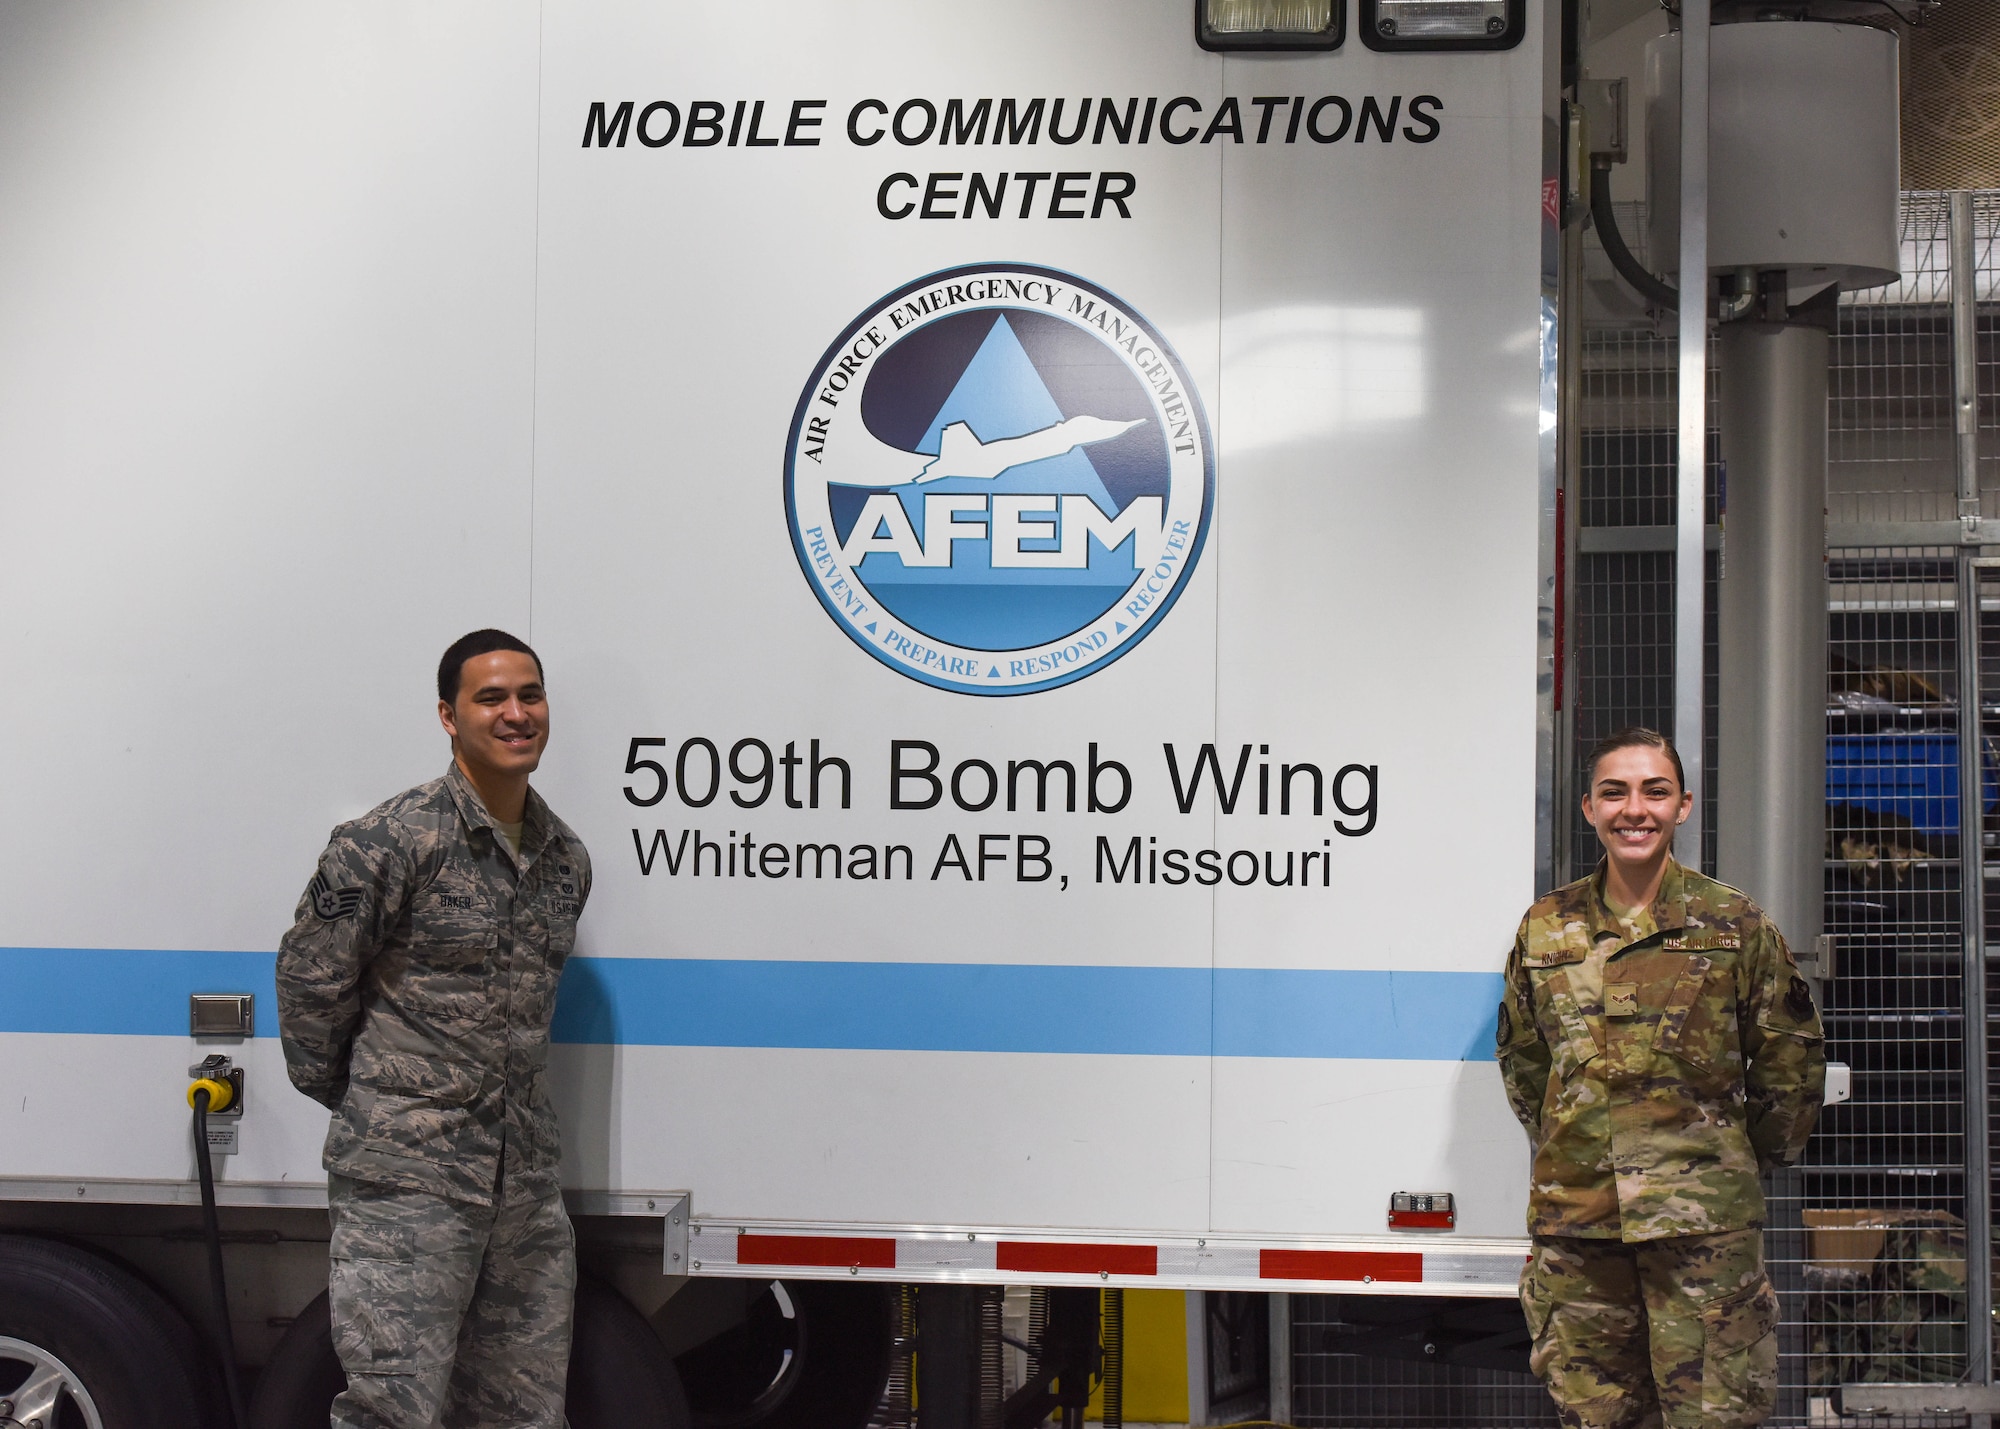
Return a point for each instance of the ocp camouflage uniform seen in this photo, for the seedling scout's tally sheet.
(1656, 1082)
(414, 994)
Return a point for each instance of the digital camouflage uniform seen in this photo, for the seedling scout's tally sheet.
(1653, 1101)
(414, 995)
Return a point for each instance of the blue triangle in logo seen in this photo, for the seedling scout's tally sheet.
(1001, 395)
(998, 395)
(870, 627)
(1121, 627)
(994, 673)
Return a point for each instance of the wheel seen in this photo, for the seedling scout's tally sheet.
(298, 1385)
(619, 1375)
(796, 1354)
(85, 1344)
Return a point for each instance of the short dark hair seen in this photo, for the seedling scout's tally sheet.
(467, 647)
(1633, 736)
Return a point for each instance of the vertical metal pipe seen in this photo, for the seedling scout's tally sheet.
(1772, 606)
(1691, 553)
(1971, 802)
(1965, 357)
(1281, 1356)
(1972, 914)
(1771, 719)
(1569, 465)
(1548, 662)
(1197, 1358)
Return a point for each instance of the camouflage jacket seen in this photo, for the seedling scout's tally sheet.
(1652, 1109)
(416, 987)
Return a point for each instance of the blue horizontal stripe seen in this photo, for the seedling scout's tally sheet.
(923, 1007)
(930, 1007)
(1272, 1012)
(128, 992)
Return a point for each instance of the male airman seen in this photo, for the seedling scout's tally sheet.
(1662, 1050)
(414, 995)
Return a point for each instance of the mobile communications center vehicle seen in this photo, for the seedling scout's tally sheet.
(1039, 528)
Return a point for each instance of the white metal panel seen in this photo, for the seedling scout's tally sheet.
(903, 1138)
(1379, 417)
(422, 361)
(266, 389)
(686, 295)
(93, 1108)
(1300, 1146)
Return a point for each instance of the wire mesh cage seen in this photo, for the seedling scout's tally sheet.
(1621, 644)
(1889, 388)
(1880, 1195)
(1867, 1237)
(1386, 1363)
(1877, 1264)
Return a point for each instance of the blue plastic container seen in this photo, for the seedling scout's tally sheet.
(1910, 773)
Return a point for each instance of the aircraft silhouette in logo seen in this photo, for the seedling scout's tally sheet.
(962, 453)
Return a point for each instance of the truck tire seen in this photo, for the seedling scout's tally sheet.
(298, 1385)
(619, 1376)
(619, 1373)
(811, 1354)
(109, 1350)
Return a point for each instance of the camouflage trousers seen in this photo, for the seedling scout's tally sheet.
(448, 1315)
(1681, 1331)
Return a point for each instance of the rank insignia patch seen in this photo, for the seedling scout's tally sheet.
(332, 903)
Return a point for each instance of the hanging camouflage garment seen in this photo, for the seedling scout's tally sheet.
(1898, 1319)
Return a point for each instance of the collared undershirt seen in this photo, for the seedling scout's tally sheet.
(511, 833)
(1587, 978)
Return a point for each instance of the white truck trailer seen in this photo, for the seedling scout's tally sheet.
(1039, 523)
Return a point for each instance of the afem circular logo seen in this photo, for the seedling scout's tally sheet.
(998, 480)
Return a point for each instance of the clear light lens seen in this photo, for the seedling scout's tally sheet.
(1441, 19)
(1266, 17)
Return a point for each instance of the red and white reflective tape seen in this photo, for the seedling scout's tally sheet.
(1457, 1266)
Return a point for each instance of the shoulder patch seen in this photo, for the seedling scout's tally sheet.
(330, 903)
(1799, 999)
(1505, 1031)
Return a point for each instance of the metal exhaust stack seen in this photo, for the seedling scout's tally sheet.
(1771, 804)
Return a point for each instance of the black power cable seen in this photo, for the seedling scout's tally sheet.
(213, 1233)
(1629, 268)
